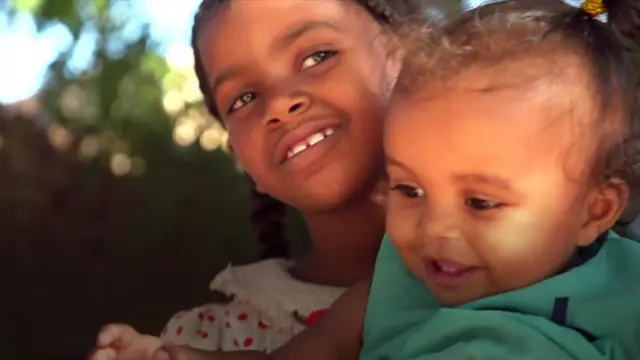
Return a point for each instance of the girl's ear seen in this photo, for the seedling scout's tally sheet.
(605, 204)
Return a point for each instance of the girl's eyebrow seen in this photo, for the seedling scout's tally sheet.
(285, 40)
(280, 43)
(223, 77)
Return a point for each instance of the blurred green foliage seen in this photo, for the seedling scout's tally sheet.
(81, 246)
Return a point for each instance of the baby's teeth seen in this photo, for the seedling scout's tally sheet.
(328, 132)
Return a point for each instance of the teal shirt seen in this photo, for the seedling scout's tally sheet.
(590, 312)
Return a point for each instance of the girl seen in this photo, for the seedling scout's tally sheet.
(301, 87)
(513, 104)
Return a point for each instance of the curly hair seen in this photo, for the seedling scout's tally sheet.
(510, 30)
(268, 213)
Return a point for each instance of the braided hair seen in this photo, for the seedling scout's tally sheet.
(268, 213)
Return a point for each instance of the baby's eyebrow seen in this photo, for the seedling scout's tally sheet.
(492, 180)
(397, 163)
(284, 41)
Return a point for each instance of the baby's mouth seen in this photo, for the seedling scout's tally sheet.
(448, 273)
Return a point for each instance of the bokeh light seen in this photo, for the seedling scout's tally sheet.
(120, 164)
(89, 147)
(59, 137)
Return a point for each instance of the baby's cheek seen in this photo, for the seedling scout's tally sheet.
(515, 235)
(401, 224)
(522, 249)
(402, 228)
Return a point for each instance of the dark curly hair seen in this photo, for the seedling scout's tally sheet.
(543, 30)
(268, 213)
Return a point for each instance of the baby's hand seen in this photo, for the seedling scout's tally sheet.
(122, 342)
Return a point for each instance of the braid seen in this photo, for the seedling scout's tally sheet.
(267, 216)
(267, 213)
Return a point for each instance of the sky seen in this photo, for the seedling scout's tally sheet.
(23, 67)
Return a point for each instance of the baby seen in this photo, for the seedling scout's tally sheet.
(510, 150)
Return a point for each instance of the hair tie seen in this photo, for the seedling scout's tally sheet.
(594, 8)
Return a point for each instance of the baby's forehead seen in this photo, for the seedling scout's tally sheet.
(554, 87)
(554, 111)
(507, 132)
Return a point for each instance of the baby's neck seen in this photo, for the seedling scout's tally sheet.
(345, 245)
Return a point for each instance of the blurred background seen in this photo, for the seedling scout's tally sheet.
(118, 202)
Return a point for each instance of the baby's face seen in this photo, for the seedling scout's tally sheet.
(485, 191)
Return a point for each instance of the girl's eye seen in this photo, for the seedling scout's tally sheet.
(408, 191)
(241, 101)
(479, 204)
(317, 58)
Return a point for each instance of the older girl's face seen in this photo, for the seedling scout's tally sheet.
(301, 87)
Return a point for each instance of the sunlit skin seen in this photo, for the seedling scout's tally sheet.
(488, 182)
(280, 68)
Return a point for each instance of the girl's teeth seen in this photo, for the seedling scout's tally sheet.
(310, 141)
(315, 138)
(297, 149)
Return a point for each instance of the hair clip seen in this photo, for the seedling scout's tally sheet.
(594, 8)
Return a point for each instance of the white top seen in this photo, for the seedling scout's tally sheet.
(269, 307)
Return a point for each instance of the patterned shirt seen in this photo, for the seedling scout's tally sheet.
(266, 307)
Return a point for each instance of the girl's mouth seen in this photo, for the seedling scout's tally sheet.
(309, 142)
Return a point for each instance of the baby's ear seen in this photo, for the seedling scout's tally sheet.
(380, 193)
(604, 206)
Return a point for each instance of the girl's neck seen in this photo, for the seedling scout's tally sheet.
(345, 245)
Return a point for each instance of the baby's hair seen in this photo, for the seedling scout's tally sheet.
(544, 30)
(268, 213)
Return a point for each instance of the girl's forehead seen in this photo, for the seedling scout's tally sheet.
(271, 17)
(245, 32)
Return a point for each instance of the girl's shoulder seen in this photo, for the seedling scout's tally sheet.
(258, 306)
(268, 286)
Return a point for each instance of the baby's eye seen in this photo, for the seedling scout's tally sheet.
(242, 101)
(317, 58)
(479, 204)
(408, 191)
